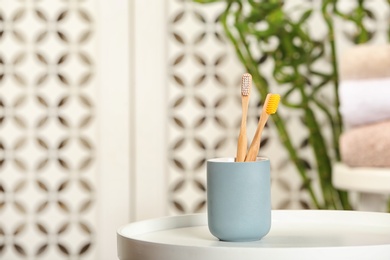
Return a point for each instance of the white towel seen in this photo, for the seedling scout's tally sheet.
(364, 101)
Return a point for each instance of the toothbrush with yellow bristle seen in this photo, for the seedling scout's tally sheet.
(270, 106)
(242, 144)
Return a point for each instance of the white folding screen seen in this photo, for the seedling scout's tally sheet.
(49, 129)
(64, 128)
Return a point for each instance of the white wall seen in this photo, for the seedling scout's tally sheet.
(115, 156)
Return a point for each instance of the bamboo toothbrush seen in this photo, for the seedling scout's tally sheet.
(270, 106)
(242, 144)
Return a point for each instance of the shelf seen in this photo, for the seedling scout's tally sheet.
(362, 179)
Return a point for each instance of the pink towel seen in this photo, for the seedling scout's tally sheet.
(365, 62)
(366, 146)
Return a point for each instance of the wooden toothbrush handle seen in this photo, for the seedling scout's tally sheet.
(242, 143)
(241, 147)
(255, 145)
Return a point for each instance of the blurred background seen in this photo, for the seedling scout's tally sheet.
(110, 109)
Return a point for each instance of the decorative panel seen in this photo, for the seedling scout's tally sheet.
(204, 104)
(47, 129)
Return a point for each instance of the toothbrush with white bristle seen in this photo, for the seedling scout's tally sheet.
(246, 83)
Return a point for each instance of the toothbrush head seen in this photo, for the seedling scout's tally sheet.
(272, 104)
(246, 83)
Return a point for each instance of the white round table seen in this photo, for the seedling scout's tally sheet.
(295, 234)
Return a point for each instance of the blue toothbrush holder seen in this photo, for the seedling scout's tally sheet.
(239, 199)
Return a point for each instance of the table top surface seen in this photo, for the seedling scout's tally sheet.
(303, 232)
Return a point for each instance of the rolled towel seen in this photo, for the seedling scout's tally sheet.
(366, 146)
(365, 62)
(364, 101)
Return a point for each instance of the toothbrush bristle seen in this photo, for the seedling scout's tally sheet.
(246, 83)
(273, 103)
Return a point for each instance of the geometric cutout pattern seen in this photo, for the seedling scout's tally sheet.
(47, 130)
(204, 104)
